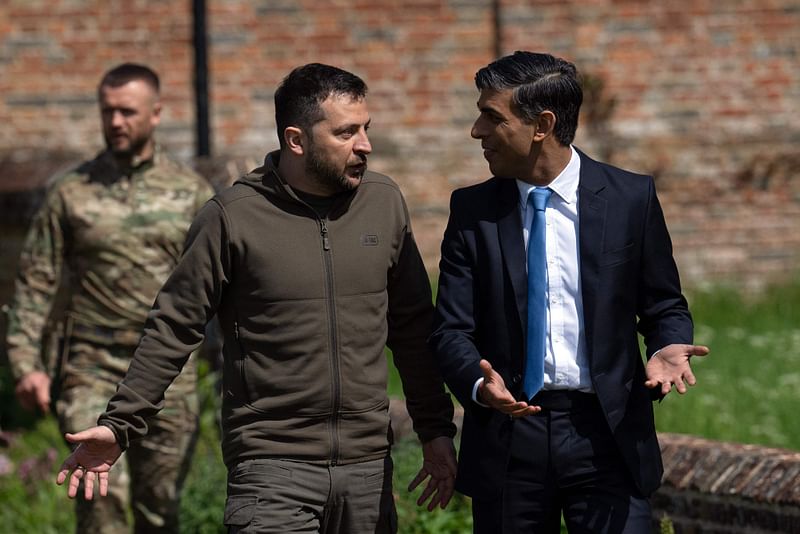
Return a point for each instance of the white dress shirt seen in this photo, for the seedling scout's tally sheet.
(565, 362)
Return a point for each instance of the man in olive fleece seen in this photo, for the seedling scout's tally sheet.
(311, 266)
(116, 225)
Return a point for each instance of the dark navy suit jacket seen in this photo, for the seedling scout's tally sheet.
(629, 282)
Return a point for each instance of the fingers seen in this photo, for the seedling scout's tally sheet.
(698, 350)
(439, 490)
(88, 485)
(62, 475)
(445, 496)
(422, 475)
(688, 376)
(33, 391)
(43, 401)
(89, 434)
(666, 384)
(74, 481)
(426, 493)
(486, 369)
(78, 437)
(103, 478)
(70, 464)
(93, 482)
(527, 410)
(517, 408)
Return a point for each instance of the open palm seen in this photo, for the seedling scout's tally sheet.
(96, 452)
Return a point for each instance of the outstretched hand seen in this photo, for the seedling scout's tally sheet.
(670, 366)
(96, 452)
(438, 464)
(493, 392)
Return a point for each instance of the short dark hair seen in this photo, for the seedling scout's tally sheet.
(539, 82)
(298, 98)
(128, 72)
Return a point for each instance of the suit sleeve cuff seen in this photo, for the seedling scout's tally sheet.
(475, 388)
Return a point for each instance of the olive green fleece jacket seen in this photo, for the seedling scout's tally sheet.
(306, 305)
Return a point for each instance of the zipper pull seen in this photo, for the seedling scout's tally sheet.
(324, 231)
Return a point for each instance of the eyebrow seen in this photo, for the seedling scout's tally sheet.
(489, 110)
(351, 126)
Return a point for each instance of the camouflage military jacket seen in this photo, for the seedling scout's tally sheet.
(118, 233)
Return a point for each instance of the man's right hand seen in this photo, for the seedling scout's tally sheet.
(96, 452)
(33, 391)
(494, 393)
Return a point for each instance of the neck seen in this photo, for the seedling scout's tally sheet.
(290, 169)
(548, 165)
(132, 160)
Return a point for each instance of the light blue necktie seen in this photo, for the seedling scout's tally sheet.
(537, 289)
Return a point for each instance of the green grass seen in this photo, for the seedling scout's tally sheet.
(748, 388)
(747, 392)
(32, 503)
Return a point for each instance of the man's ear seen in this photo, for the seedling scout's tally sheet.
(295, 139)
(155, 117)
(545, 125)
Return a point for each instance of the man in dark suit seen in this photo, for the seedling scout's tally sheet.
(541, 349)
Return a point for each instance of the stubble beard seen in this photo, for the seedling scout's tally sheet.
(328, 176)
(134, 147)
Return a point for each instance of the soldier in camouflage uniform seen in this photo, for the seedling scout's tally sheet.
(115, 226)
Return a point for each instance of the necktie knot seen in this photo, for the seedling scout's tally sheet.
(539, 197)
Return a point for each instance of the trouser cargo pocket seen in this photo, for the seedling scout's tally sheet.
(239, 511)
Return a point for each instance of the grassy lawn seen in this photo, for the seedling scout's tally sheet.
(747, 392)
(748, 388)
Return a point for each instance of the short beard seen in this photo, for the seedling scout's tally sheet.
(135, 147)
(325, 174)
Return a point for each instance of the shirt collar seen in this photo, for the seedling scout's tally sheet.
(137, 164)
(565, 185)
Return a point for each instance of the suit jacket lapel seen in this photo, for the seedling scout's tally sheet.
(512, 244)
(591, 227)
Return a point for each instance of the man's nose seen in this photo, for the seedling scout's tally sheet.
(117, 118)
(476, 132)
(362, 144)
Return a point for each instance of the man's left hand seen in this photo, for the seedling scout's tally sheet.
(670, 366)
(438, 463)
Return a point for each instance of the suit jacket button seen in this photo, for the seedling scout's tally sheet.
(515, 379)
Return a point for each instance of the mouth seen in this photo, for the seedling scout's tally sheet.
(357, 169)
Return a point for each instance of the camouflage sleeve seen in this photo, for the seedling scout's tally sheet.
(175, 326)
(39, 274)
(203, 194)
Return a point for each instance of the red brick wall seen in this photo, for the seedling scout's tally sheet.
(702, 94)
(52, 54)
